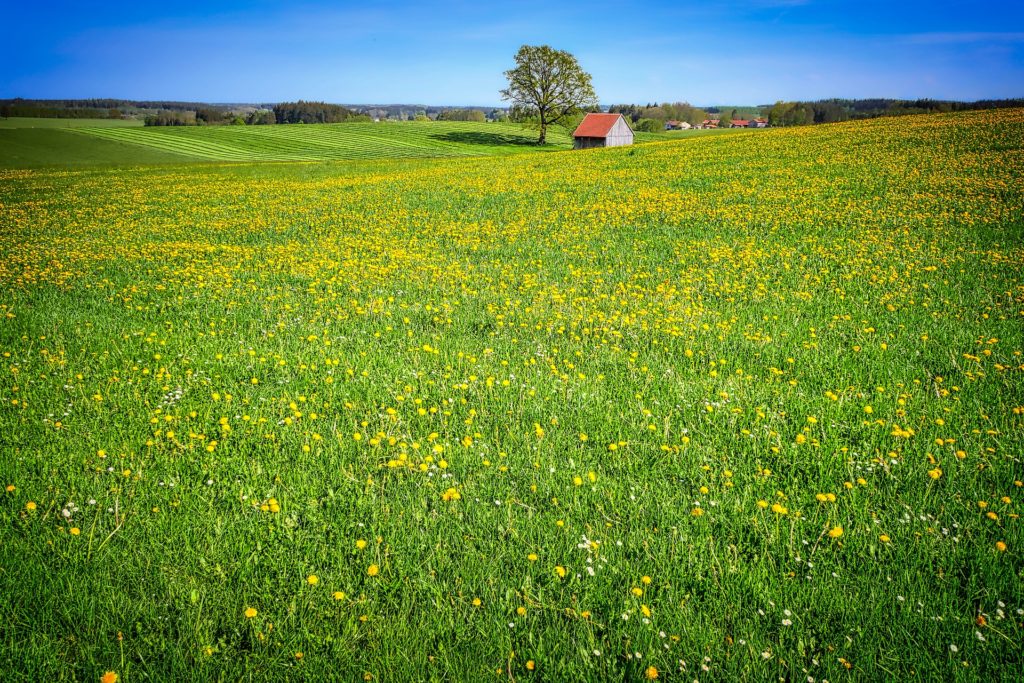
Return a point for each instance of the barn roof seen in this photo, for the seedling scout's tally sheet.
(596, 125)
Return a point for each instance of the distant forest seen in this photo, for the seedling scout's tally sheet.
(315, 112)
(834, 110)
(72, 109)
(643, 117)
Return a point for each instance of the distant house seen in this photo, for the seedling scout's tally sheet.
(677, 125)
(709, 123)
(759, 123)
(739, 123)
(602, 130)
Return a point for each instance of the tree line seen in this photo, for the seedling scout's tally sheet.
(461, 115)
(315, 112)
(835, 110)
(101, 103)
(653, 117)
(8, 110)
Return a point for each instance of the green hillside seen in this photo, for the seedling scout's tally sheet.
(40, 147)
(743, 408)
(32, 143)
(334, 141)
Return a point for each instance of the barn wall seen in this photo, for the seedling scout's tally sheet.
(587, 143)
(619, 135)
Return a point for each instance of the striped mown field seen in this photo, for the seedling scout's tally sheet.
(335, 141)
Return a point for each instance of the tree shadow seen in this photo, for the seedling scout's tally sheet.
(489, 139)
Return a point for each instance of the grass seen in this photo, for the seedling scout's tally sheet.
(739, 408)
(35, 122)
(336, 141)
(80, 145)
(43, 147)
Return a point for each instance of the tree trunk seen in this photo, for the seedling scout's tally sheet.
(543, 133)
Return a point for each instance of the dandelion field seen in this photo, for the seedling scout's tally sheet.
(743, 407)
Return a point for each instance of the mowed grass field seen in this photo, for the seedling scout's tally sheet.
(745, 407)
(23, 144)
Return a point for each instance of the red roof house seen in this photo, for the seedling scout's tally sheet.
(602, 130)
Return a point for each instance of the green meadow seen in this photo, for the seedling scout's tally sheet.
(28, 143)
(725, 407)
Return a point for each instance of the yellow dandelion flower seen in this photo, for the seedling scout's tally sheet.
(835, 532)
(373, 570)
(312, 579)
(250, 612)
(651, 673)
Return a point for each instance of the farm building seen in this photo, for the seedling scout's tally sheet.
(602, 130)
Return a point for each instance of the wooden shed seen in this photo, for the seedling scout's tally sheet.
(602, 130)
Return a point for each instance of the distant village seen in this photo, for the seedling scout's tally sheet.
(717, 123)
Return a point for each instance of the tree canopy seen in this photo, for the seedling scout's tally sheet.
(314, 112)
(549, 84)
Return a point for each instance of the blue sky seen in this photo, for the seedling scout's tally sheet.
(451, 52)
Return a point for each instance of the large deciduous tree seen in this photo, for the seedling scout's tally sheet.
(549, 84)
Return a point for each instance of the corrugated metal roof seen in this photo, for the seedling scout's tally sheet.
(596, 125)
